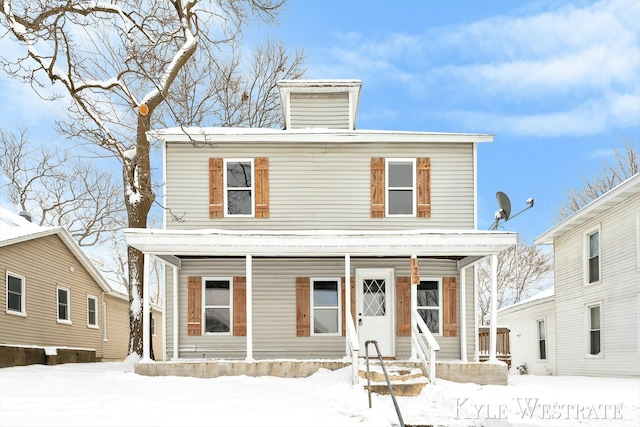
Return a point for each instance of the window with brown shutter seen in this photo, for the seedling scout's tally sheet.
(403, 306)
(303, 307)
(240, 306)
(216, 187)
(422, 188)
(194, 306)
(377, 187)
(353, 304)
(449, 315)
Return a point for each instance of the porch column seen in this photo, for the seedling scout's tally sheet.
(175, 313)
(347, 300)
(493, 329)
(146, 351)
(249, 309)
(463, 314)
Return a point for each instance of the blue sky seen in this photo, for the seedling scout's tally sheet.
(557, 83)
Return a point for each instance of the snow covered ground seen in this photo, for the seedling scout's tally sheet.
(110, 394)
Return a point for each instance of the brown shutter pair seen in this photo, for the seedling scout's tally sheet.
(403, 303)
(194, 306)
(423, 178)
(216, 187)
(303, 306)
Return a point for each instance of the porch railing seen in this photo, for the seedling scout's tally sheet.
(423, 345)
(503, 348)
(354, 348)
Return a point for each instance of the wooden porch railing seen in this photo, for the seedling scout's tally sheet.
(503, 349)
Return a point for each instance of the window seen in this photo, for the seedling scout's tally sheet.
(105, 336)
(542, 340)
(15, 294)
(594, 321)
(92, 311)
(401, 187)
(325, 302)
(428, 296)
(217, 305)
(592, 260)
(64, 305)
(238, 184)
(153, 326)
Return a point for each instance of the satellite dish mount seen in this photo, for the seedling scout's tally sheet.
(504, 209)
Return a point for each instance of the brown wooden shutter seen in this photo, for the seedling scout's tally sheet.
(240, 306)
(194, 306)
(353, 304)
(303, 307)
(449, 317)
(262, 187)
(377, 187)
(424, 187)
(403, 303)
(216, 188)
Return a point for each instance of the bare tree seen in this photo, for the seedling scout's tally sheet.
(60, 191)
(625, 164)
(522, 270)
(117, 62)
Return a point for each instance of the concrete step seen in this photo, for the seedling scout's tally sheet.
(406, 378)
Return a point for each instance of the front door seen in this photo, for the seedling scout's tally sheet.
(375, 318)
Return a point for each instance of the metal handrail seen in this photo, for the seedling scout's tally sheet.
(384, 369)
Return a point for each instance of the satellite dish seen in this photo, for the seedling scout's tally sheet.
(505, 205)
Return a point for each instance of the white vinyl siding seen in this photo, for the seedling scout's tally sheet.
(324, 110)
(321, 186)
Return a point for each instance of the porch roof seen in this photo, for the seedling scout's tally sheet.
(422, 242)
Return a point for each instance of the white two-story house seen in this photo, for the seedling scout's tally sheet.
(308, 241)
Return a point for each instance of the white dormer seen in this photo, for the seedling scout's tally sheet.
(329, 104)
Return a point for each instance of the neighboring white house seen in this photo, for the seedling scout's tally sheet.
(596, 303)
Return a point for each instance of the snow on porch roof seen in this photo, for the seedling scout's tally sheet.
(320, 243)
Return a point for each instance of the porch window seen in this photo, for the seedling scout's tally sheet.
(15, 294)
(325, 302)
(64, 305)
(238, 183)
(92, 311)
(594, 320)
(428, 294)
(217, 305)
(542, 340)
(592, 259)
(401, 187)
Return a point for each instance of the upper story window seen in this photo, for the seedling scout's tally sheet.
(64, 305)
(325, 302)
(401, 187)
(238, 183)
(15, 294)
(592, 256)
(92, 311)
(429, 297)
(239, 187)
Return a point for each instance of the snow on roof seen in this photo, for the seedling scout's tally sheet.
(14, 226)
(544, 294)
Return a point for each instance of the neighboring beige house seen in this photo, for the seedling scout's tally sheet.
(54, 296)
(591, 323)
(278, 223)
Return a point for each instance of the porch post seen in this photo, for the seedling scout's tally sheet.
(463, 314)
(146, 351)
(249, 309)
(176, 327)
(494, 308)
(347, 300)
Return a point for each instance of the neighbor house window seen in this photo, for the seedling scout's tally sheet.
(325, 302)
(64, 305)
(238, 184)
(542, 340)
(428, 296)
(592, 260)
(92, 311)
(217, 305)
(105, 336)
(15, 294)
(401, 187)
(153, 326)
(594, 321)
